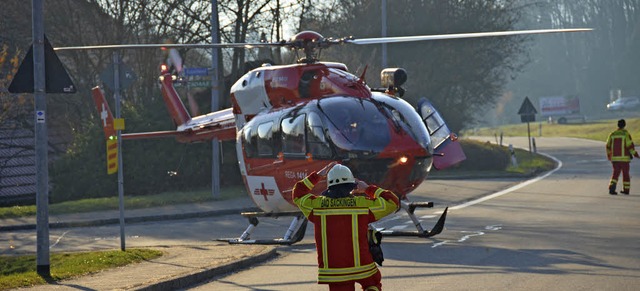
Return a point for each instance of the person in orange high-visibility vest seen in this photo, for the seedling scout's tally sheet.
(620, 149)
(341, 221)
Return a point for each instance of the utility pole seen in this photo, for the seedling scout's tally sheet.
(384, 32)
(43, 267)
(116, 89)
(215, 97)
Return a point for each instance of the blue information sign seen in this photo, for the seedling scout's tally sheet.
(196, 71)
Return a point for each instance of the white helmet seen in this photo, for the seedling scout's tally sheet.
(339, 174)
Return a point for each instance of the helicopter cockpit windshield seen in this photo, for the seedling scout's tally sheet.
(407, 117)
(348, 121)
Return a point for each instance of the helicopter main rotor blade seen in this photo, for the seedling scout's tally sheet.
(157, 45)
(378, 40)
(315, 41)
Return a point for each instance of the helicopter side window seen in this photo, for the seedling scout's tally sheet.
(293, 136)
(249, 142)
(434, 123)
(318, 146)
(265, 139)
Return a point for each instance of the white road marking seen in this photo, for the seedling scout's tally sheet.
(511, 189)
(435, 245)
(493, 227)
(468, 236)
(390, 218)
(427, 216)
(471, 234)
(591, 161)
(114, 237)
(60, 238)
(483, 199)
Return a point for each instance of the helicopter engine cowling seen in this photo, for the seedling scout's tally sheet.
(270, 87)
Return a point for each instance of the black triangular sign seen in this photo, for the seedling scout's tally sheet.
(56, 77)
(527, 108)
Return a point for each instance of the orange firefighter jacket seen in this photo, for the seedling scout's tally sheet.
(620, 146)
(341, 226)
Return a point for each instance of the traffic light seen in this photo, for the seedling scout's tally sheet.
(112, 155)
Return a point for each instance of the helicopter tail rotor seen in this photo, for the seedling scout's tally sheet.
(174, 59)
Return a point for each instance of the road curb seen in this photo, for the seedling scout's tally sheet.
(191, 279)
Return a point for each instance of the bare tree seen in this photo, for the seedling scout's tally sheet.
(459, 76)
(591, 65)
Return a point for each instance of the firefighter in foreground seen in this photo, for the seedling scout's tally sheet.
(620, 149)
(341, 222)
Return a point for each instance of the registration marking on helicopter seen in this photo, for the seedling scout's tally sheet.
(279, 81)
(295, 175)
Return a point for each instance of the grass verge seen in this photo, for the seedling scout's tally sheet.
(487, 160)
(596, 130)
(20, 271)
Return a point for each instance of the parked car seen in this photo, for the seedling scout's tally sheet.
(624, 103)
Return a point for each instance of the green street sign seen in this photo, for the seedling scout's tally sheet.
(195, 84)
(200, 84)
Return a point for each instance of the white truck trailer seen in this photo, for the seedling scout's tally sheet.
(561, 109)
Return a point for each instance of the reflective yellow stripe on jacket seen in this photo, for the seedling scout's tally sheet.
(346, 274)
(620, 146)
(351, 211)
(354, 212)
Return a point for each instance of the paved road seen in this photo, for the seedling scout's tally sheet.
(563, 232)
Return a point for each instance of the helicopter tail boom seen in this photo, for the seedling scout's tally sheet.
(105, 113)
(176, 108)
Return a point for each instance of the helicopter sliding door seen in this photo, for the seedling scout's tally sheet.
(447, 151)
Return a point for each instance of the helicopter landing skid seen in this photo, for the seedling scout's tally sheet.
(294, 233)
(410, 207)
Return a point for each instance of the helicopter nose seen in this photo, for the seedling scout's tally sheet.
(400, 167)
(409, 166)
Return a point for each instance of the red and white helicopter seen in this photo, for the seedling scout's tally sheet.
(290, 120)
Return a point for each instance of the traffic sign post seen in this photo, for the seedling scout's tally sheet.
(56, 78)
(216, 64)
(125, 75)
(41, 72)
(43, 267)
(112, 156)
(527, 114)
(116, 89)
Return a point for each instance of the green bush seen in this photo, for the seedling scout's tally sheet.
(149, 166)
(483, 156)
